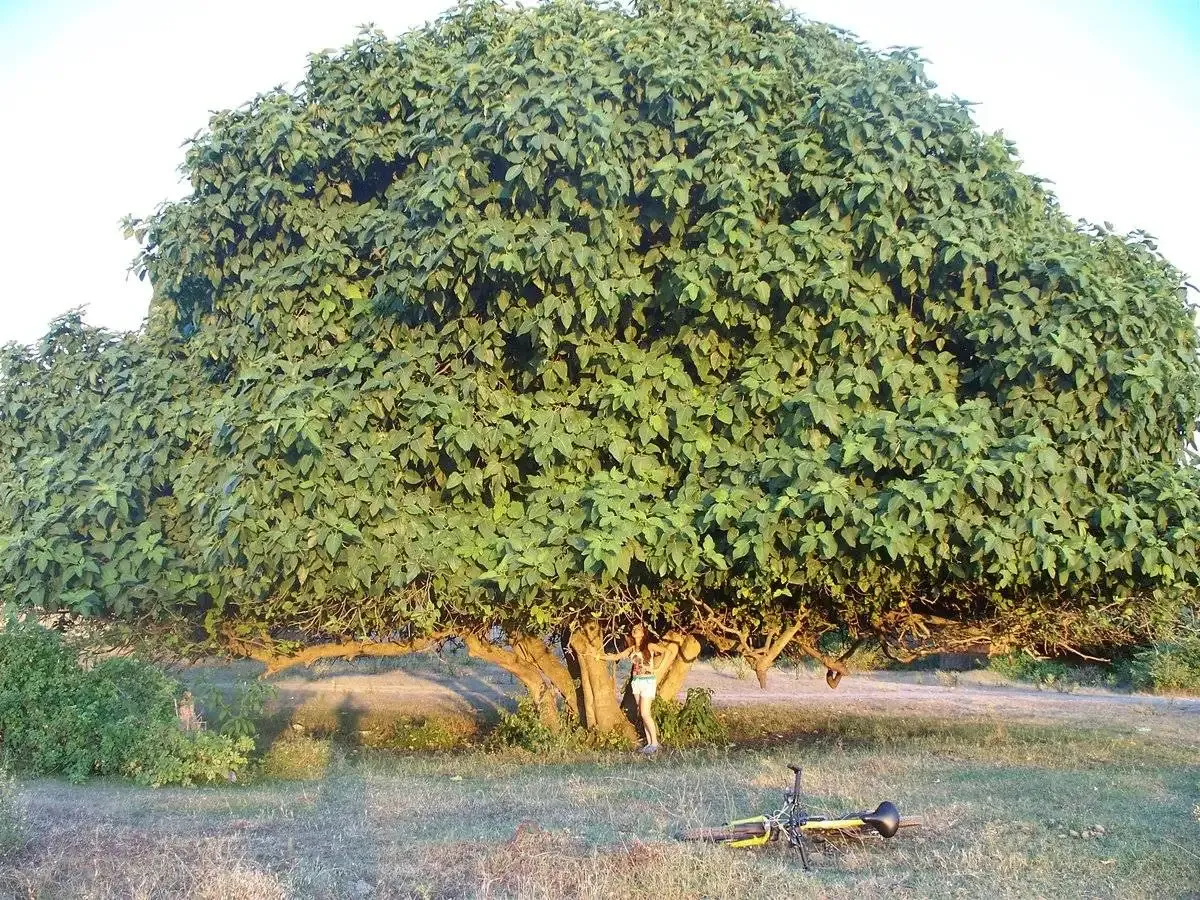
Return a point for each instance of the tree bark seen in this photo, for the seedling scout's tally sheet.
(686, 652)
(598, 696)
(529, 674)
(554, 669)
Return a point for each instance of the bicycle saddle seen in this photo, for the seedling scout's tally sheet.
(885, 819)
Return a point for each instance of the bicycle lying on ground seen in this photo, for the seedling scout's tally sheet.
(796, 826)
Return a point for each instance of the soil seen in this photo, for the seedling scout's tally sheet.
(481, 689)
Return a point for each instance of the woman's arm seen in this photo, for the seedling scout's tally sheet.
(613, 657)
(662, 656)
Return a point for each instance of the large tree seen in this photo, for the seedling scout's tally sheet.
(535, 323)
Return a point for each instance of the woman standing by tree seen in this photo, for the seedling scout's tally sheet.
(647, 658)
(643, 683)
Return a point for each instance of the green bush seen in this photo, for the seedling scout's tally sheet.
(124, 703)
(41, 687)
(1021, 666)
(117, 718)
(236, 716)
(692, 723)
(525, 729)
(1167, 667)
(169, 756)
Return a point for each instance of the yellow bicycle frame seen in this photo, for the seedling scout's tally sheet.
(759, 839)
(832, 824)
(818, 825)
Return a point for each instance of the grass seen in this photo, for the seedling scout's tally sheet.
(1002, 802)
(296, 757)
(12, 816)
(379, 729)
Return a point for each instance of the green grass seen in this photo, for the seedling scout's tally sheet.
(12, 816)
(1003, 804)
(296, 757)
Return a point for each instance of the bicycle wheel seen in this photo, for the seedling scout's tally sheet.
(725, 834)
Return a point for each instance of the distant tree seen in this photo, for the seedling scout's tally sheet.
(536, 323)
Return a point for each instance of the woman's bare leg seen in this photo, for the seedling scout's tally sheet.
(644, 706)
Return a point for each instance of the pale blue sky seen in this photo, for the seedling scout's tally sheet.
(1102, 97)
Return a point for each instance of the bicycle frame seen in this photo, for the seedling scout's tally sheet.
(792, 822)
(795, 824)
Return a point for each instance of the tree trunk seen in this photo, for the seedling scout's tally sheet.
(525, 671)
(761, 659)
(597, 691)
(687, 651)
(555, 670)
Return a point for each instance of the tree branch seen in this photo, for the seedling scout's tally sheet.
(276, 660)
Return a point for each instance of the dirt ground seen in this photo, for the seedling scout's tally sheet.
(480, 689)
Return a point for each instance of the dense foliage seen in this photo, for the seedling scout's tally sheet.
(114, 718)
(693, 312)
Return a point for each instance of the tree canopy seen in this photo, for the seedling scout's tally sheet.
(556, 319)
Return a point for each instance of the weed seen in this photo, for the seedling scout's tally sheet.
(1052, 673)
(692, 723)
(525, 730)
(1172, 665)
(732, 665)
(318, 717)
(414, 734)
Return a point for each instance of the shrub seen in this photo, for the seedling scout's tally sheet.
(40, 692)
(118, 718)
(296, 757)
(237, 716)
(123, 705)
(1021, 666)
(1171, 666)
(692, 723)
(169, 756)
(525, 729)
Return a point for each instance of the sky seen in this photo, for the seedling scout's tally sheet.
(96, 96)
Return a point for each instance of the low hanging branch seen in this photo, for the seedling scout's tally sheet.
(278, 655)
(835, 666)
(760, 647)
(530, 662)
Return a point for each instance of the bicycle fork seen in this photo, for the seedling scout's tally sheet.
(795, 816)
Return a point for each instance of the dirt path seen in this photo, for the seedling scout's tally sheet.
(480, 688)
(967, 695)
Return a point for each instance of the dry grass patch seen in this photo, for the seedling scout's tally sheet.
(107, 863)
(1005, 817)
(537, 864)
